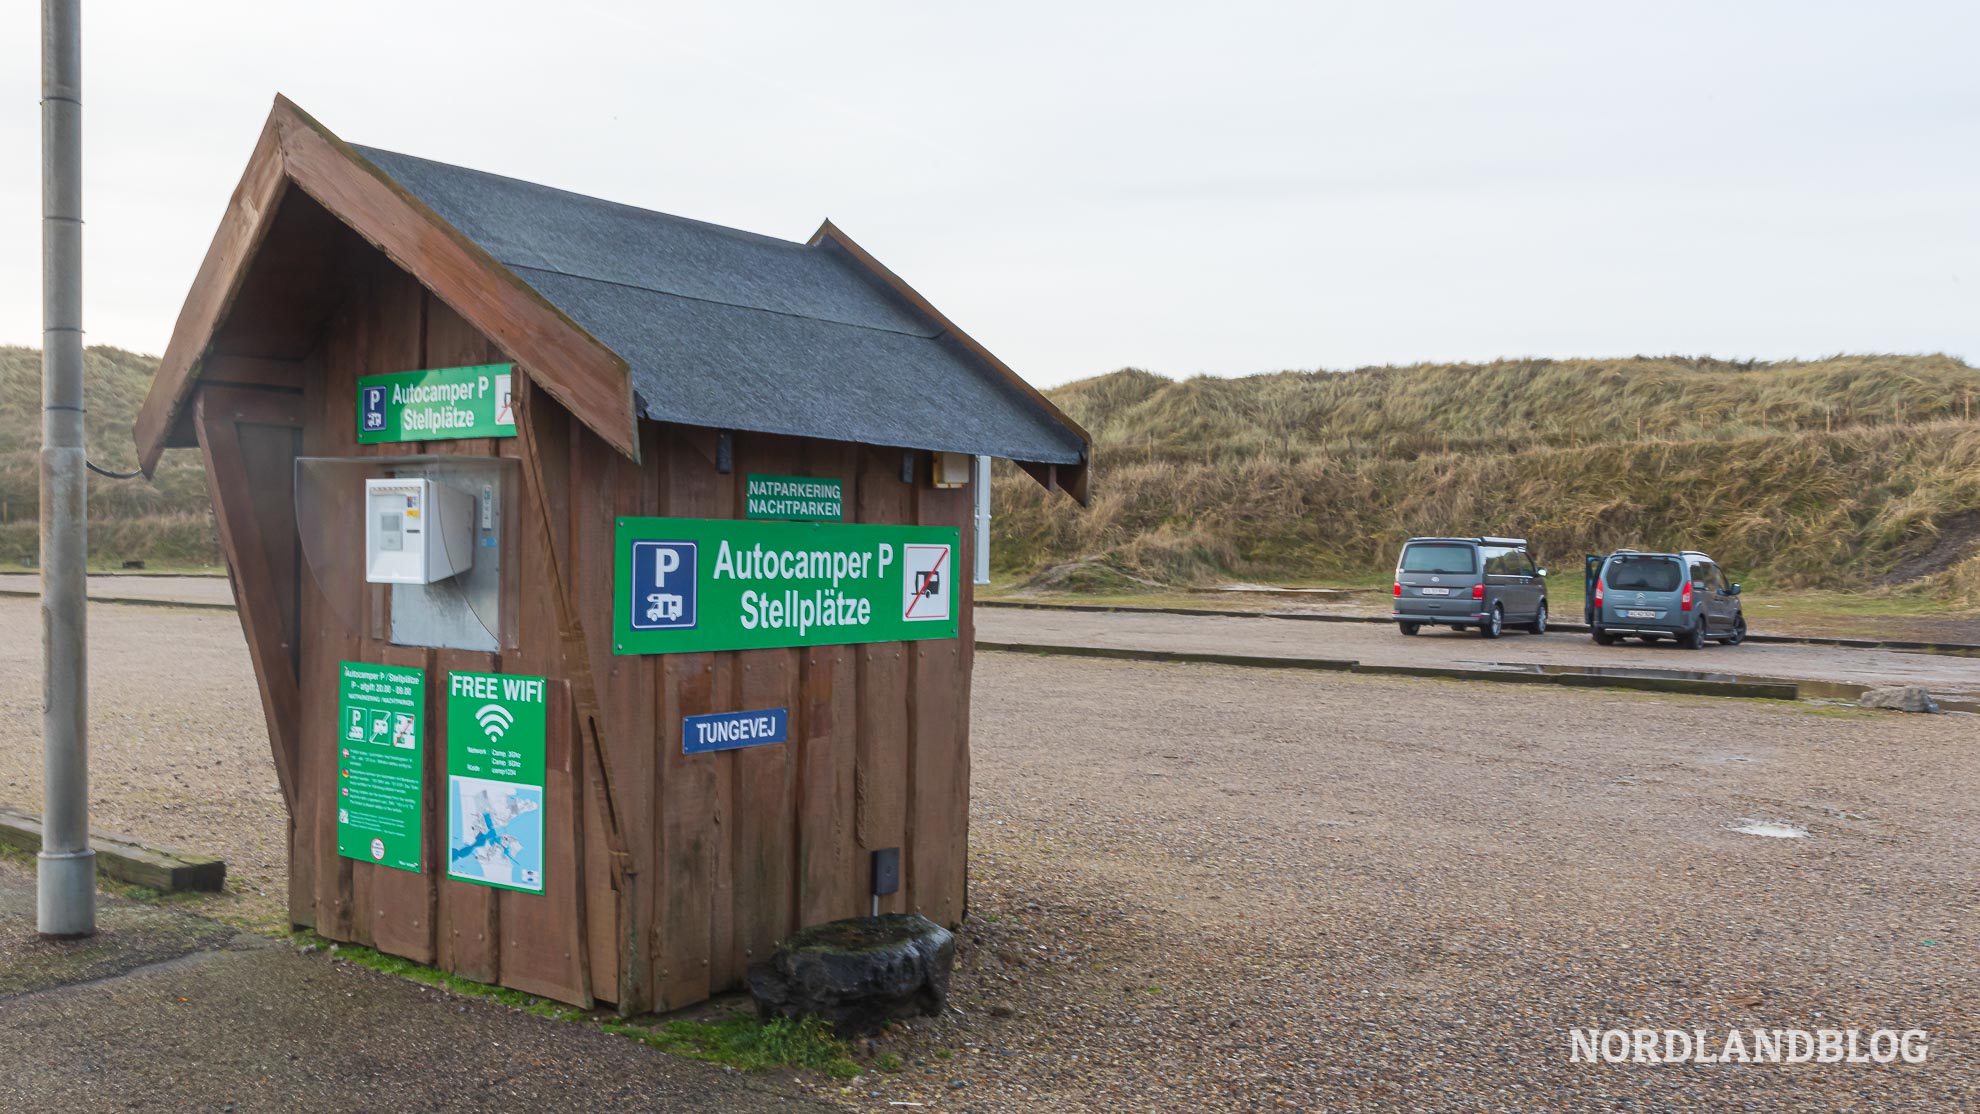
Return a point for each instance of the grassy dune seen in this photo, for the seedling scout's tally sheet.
(1826, 474)
(164, 522)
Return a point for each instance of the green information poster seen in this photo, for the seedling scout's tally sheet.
(687, 584)
(795, 497)
(380, 764)
(435, 405)
(495, 731)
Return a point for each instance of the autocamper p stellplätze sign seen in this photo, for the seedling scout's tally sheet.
(436, 405)
(687, 584)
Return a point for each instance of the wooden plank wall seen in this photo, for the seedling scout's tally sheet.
(729, 852)
(755, 843)
(389, 323)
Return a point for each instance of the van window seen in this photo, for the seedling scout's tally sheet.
(1438, 558)
(1499, 562)
(1644, 574)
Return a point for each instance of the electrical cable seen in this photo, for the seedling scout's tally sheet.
(102, 471)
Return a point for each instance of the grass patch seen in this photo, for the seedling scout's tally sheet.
(738, 1040)
(743, 1042)
(446, 980)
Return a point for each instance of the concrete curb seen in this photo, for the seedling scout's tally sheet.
(127, 601)
(1751, 690)
(1957, 649)
(127, 860)
(1121, 653)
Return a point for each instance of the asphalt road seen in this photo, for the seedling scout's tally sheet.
(1381, 643)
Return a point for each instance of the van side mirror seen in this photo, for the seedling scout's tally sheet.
(1735, 589)
(1542, 572)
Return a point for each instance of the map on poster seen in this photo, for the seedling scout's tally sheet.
(495, 833)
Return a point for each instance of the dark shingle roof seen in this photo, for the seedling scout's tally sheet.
(734, 330)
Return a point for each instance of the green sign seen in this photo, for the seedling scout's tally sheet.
(436, 405)
(795, 497)
(380, 741)
(686, 584)
(495, 729)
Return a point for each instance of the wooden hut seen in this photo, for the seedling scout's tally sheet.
(683, 790)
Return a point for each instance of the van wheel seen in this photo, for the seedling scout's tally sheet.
(1602, 637)
(1694, 639)
(1539, 623)
(1409, 628)
(1493, 626)
(1738, 634)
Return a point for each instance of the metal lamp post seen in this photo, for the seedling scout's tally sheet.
(66, 874)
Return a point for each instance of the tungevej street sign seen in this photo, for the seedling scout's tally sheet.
(733, 730)
(495, 762)
(794, 497)
(380, 741)
(436, 405)
(687, 584)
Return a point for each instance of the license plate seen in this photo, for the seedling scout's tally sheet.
(1435, 591)
(1639, 615)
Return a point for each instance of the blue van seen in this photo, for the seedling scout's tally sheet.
(1654, 596)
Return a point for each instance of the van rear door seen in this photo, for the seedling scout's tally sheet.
(1642, 589)
(1436, 577)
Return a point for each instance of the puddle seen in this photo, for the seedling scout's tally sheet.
(1845, 692)
(1270, 589)
(1848, 692)
(1553, 670)
(1770, 829)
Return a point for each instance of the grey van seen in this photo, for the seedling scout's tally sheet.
(1652, 596)
(1469, 582)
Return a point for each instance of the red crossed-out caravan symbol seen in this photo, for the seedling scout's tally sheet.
(927, 594)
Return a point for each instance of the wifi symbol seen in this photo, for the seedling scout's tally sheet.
(494, 720)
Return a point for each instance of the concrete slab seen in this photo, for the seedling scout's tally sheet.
(131, 935)
(165, 869)
(167, 1011)
(182, 591)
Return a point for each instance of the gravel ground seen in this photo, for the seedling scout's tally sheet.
(178, 746)
(1238, 889)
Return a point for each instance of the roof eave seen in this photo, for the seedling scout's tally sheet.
(1070, 478)
(573, 366)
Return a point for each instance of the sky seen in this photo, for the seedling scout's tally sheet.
(1187, 188)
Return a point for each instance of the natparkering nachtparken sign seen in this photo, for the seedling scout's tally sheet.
(689, 584)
